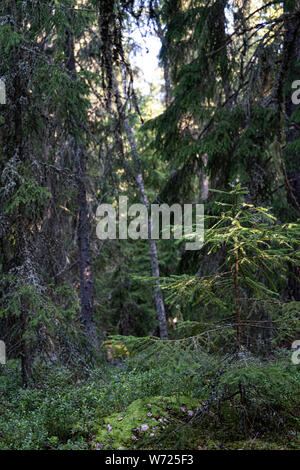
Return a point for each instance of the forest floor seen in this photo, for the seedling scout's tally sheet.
(245, 407)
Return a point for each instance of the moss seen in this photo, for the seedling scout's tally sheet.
(144, 420)
(164, 422)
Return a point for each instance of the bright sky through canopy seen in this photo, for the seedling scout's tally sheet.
(145, 58)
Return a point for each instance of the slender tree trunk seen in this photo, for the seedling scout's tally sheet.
(158, 296)
(84, 252)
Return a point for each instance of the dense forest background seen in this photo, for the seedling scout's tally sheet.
(128, 344)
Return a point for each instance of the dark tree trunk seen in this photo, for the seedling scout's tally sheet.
(85, 266)
(291, 58)
(18, 150)
(84, 252)
(26, 354)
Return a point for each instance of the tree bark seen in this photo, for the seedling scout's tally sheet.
(291, 58)
(85, 265)
(84, 252)
(18, 149)
(158, 296)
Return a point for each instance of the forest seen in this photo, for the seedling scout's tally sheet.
(149, 225)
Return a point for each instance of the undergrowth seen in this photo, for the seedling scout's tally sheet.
(239, 400)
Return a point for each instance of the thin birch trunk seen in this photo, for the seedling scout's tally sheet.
(158, 296)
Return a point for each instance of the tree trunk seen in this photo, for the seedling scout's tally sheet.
(158, 296)
(26, 359)
(291, 58)
(84, 252)
(85, 265)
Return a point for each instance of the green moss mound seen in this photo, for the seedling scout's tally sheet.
(143, 421)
